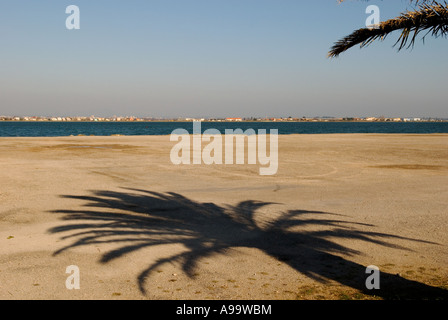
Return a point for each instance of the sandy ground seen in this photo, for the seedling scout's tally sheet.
(139, 227)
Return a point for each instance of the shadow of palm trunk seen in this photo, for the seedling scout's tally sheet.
(329, 268)
(141, 219)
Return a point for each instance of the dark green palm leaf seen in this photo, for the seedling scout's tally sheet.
(432, 17)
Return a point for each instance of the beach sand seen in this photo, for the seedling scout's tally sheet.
(139, 227)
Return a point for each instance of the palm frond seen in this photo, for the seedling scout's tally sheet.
(432, 17)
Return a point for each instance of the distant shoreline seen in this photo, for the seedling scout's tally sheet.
(223, 121)
(290, 119)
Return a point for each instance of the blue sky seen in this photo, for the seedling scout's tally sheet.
(211, 58)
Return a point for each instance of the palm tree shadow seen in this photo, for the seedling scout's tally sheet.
(139, 219)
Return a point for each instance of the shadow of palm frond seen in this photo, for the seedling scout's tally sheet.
(305, 240)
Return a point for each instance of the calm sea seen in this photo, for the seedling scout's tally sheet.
(58, 129)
